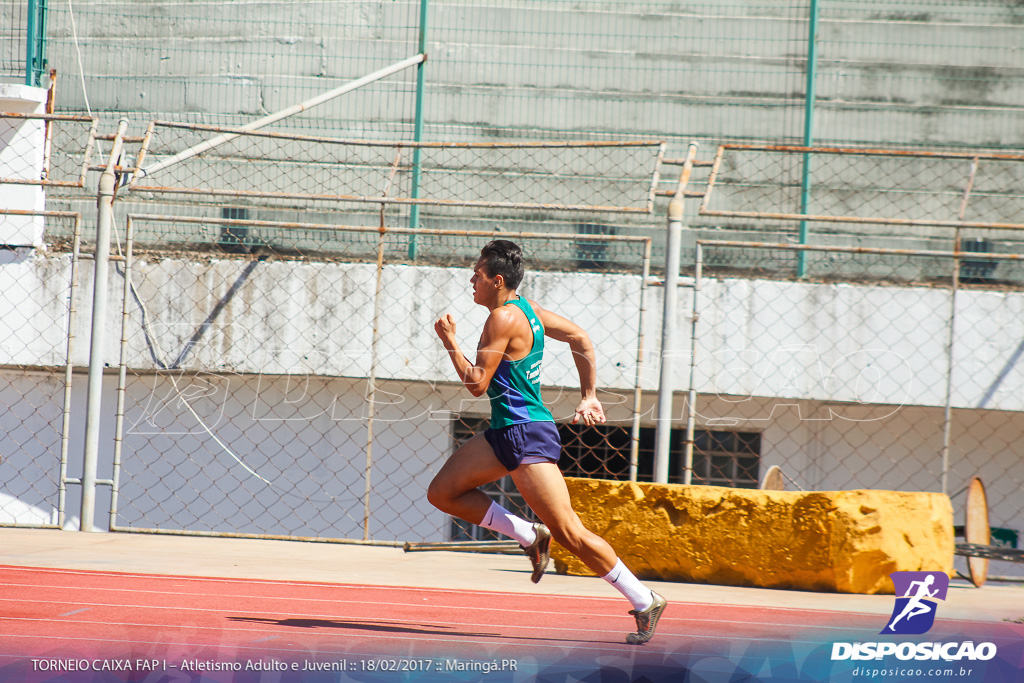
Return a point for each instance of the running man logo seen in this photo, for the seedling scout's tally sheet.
(915, 608)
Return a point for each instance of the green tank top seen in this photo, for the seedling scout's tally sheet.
(515, 387)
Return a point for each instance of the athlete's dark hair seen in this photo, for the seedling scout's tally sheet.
(504, 258)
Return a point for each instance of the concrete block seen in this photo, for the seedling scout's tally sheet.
(841, 541)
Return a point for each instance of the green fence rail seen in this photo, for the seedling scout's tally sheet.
(35, 43)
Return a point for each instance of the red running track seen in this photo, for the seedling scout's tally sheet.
(68, 615)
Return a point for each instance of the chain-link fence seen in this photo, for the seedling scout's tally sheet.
(39, 154)
(298, 389)
(907, 383)
(892, 199)
(279, 375)
(867, 187)
(929, 75)
(37, 343)
(212, 164)
(49, 150)
(881, 348)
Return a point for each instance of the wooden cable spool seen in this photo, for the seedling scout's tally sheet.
(977, 530)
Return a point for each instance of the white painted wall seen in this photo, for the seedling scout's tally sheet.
(860, 343)
(302, 318)
(21, 158)
(843, 343)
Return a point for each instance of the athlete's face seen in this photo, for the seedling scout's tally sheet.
(484, 285)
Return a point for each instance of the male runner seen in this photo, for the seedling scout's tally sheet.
(522, 439)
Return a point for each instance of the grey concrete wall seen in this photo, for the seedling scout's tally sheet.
(927, 73)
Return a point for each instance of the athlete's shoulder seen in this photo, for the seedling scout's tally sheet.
(502, 315)
(503, 322)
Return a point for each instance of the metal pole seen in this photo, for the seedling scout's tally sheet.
(663, 432)
(122, 373)
(374, 346)
(634, 442)
(372, 389)
(104, 222)
(41, 29)
(30, 42)
(65, 440)
(417, 134)
(947, 417)
(691, 400)
(809, 99)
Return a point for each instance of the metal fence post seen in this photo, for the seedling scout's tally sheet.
(947, 414)
(809, 98)
(32, 43)
(417, 166)
(691, 400)
(104, 223)
(663, 432)
(634, 440)
(65, 445)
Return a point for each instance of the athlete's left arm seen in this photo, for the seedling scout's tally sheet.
(562, 329)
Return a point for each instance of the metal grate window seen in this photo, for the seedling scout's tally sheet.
(726, 458)
(720, 458)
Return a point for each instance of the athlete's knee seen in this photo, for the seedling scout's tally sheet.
(439, 494)
(572, 542)
(571, 534)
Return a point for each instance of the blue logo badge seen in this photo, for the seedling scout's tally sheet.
(916, 593)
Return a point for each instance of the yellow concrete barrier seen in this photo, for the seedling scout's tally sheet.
(842, 541)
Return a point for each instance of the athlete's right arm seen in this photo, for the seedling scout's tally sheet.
(490, 351)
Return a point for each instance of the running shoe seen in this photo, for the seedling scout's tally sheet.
(539, 551)
(647, 620)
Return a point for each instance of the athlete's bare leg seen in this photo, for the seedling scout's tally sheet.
(454, 489)
(544, 490)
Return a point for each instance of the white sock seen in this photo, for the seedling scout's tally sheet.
(627, 584)
(501, 520)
